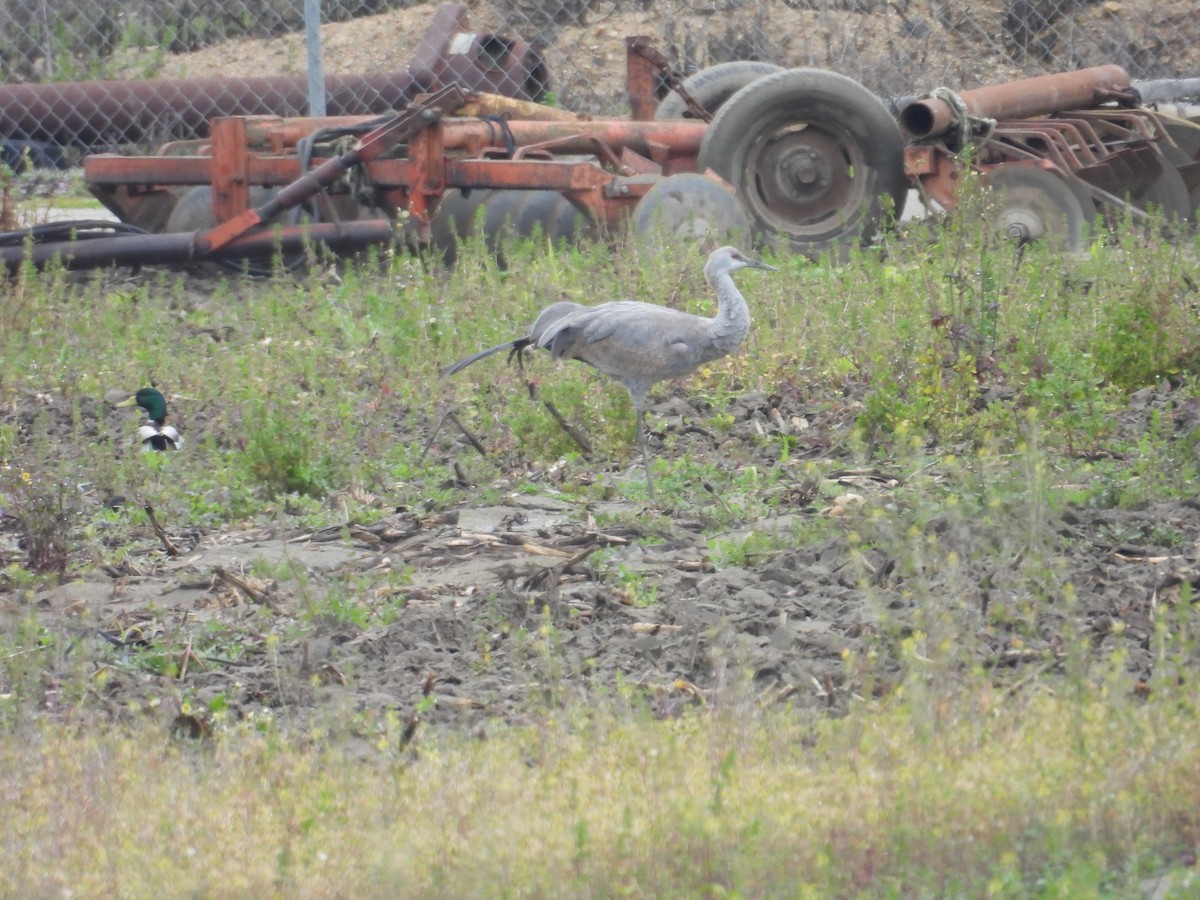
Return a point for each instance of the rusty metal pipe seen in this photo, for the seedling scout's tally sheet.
(459, 133)
(106, 113)
(100, 114)
(681, 136)
(185, 247)
(1027, 98)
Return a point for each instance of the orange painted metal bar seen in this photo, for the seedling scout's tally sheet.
(470, 134)
(641, 74)
(230, 168)
(370, 146)
(579, 137)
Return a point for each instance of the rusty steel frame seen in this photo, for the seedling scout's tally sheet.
(1070, 143)
(441, 153)
(1041, 121)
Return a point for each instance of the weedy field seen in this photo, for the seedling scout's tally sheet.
(914, 613)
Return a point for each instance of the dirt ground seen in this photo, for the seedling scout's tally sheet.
(896, 50)
(485, 610)
(480, 613)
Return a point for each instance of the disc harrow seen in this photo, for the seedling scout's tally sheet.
(803, 159)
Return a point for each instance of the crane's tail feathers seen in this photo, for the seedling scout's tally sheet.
(513, 346)
(518, 350)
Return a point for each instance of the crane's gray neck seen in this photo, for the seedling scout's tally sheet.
(732, 322)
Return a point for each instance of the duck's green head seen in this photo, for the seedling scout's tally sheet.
(151, 401)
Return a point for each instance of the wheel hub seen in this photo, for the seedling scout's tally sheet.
(804, 171)
(1032, 204)
(1021, 224)
(803, 177)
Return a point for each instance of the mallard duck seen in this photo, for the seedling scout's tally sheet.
(156, 434)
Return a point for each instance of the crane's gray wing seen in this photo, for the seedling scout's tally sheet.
(629, 339)
(552, 314)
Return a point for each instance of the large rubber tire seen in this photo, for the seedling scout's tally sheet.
(815, 158)
(691, 207)
(711, 87)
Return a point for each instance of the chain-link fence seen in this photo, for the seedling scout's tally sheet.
(76, 71)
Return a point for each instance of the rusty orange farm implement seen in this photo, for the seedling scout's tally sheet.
(806, 159)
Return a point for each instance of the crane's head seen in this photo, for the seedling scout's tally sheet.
(729, 259)
(151, 401)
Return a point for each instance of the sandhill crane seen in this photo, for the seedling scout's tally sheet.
(640, 344)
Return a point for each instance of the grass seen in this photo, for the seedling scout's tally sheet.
(965, 393)
(1051, 796)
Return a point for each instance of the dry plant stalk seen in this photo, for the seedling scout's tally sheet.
(163, 537)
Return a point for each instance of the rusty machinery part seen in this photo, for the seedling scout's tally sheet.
(132, 249)
(266, 230)
(194, 212)
(91, 114)
(380, 140)
(493, 63)
(1177, 190)
(86, 114)
(1186, 135)
(711, 87)
(1030, 203)
(965, 127)
(190, 208)
(690, 207)
(1136, 162)
(499, 216)
(1165, 193)
(816, 159)
(934, 117)
(648, 71)
(77, 229)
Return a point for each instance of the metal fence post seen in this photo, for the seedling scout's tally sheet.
(316, 60)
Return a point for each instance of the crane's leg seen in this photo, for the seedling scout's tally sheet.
(641, 438)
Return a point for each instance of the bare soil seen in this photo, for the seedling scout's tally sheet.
(896, 50)
(482, 613)
(487, 610)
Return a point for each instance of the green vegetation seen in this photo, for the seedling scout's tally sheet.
(1059, 797)
(953, 398)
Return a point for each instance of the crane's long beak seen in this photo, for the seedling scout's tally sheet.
(759, 264)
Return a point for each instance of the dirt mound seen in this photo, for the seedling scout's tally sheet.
(893, 50)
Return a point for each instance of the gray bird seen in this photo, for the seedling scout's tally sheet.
(640, 344)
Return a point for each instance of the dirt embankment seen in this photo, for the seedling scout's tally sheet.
(896, 50)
